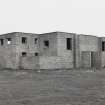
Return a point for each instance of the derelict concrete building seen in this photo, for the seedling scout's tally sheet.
(56, 50)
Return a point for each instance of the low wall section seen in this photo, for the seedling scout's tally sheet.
(54, 62)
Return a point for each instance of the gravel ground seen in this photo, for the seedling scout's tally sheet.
(52, 87)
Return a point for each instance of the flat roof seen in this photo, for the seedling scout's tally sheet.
(12, 33)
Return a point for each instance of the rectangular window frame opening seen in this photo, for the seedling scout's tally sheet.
(69, 43)
(36, 54)
(24, 40)
(46, 43)
(35, 40)
(103, 45)
(24, 54)
(9, 40)
(1, 42)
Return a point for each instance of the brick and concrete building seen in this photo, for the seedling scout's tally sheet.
(56, 50)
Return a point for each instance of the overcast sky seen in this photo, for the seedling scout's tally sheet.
(39, 16)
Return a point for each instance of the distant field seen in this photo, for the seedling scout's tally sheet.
(62, 87)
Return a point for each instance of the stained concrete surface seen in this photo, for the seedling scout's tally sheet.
(62, 87)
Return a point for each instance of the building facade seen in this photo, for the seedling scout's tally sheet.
(56, 50)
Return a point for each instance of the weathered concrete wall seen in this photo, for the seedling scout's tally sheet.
(56, 56)
(11, 54)
(86, 59)
(61, 44)
(87, 43)
(52, 49)
(103, 59)
(30, 48)
(102, 53)
(62, 50)
(55, 62)
(45, 54)
(77, 51)
(8, 52)
(30, 62)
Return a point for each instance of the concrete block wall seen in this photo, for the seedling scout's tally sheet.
(102, 53)
(55, 62)
(77, 56)
(8, 52)
(11, 54)
(61, 44)
(55, 57)
(30, 62)
(103, 59)
(30, 48)
(87, 43)
(63, 52)
(52, 49)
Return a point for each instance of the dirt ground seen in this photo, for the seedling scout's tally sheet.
(48, 87)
